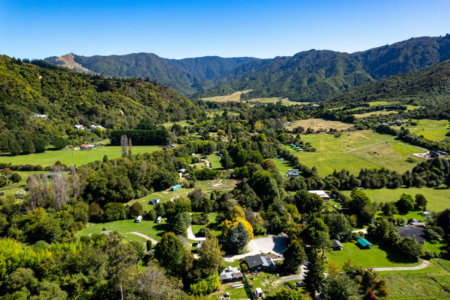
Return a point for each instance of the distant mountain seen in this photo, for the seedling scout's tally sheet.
(427, 86)
(317, 75)
(184, 76)
(313, 75)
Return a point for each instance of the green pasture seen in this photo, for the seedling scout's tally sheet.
(379, 256)
(438, 199)
(354, 151)
(12, 189)
(68, 157)
(431, 129)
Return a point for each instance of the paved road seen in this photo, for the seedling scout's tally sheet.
(191, 235)
(154, 242)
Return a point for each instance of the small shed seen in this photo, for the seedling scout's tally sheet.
(364, 243)
(337, 246)
(158, 220)
(138, 219)
(176, 187)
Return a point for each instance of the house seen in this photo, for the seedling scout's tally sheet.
(155, 201)
(78, 127)
(337, 246)
(423, 224)
(181, 170)
(158, 220)
(293, 173)
(231, 275)
(417, 233)
(176, 187)
(138, 219)
(171, 146)
(40, 116)
(400, 121)
(93, 127)
(321, 194)
(438, 153)
(390, 123)
(200, 241)
(365, 244)
(259, 262)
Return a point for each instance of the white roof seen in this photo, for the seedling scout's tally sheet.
(319, 192)
(259, 290)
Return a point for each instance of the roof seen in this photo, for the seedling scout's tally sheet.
(320, 193)
(259, 290)
(225, 276)
(105, 232)
(364, 242)
(336, 243)
(256, 261)
(414, 232)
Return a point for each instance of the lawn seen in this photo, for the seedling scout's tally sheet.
(12, 189)
(376, 257)
(319, 124)
(68, 157)
(236, 96)
(354, 151)
(438, 199)
(285, 101)
(378, 112)
(431, 129)
(149, 228)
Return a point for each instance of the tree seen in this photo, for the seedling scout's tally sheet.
(227, 225)
(229, 134)
(405, 204)
(28, 147)
(40, 145)
(421, 201)
(49, 290)
(307, 202)
(410, 247)
(269, 164)
(285, 294)
(149, 245)
(337, 224)
(21, 278)
(15, 149)
(180, 228)
(340, 287)
(226, 161)
(152, 284)
(256, 157)
(238, 237)
(314, 279)
(235, 212)
(294, 256)
(59, 142)
(169, 252)
(211, 255)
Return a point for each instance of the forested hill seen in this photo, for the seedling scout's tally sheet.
(424, 87)
(183, 75)
(70, 98)
(317, 75)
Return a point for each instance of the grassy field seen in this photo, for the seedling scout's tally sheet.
(236, 96)
(76, 157)
(319, 124)
(376, 257)
(353, 151)
(12, 189)
(285, 101)
(438, 199)
(431, 129)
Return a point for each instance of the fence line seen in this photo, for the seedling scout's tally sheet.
(442, 265)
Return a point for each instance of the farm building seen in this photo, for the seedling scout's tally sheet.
(337, 245)
(365, 244)
(321, 194)
(417, 233)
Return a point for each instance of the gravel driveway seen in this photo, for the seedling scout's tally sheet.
(272, 243)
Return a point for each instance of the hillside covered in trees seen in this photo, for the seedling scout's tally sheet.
(39, 100)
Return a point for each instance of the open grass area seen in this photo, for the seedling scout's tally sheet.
(354, 151)
(378, 112)
(285, 101)
(431, 129)
(418, 284)
(236, 96)
(317, 124)
(12, 189)
(438, 199)
(68, 157)
(377, 257)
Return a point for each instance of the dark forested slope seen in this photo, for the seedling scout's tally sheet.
(421, 88)
(70, 98)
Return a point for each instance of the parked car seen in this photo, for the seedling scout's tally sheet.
(299, 283)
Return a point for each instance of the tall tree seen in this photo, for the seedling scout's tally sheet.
(211, 255)
(229, 134)
(169, 252)
(315, 277)
(238, 237)
(340, 287)
(421, 201)
(294, 256)
(226, 161)
(130, 147)
(124, 145)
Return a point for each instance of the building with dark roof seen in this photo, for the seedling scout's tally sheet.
(337, 245)
(259, 262)
(415, 232)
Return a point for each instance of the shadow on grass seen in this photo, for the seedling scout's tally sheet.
(163, 228)
(394, 256)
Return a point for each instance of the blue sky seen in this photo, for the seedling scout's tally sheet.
(179, 29)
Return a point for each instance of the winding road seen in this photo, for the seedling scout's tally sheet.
(154, 242)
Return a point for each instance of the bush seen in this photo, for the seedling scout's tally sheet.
(203, 232)
(434, 242)
(16, 177)
(20, 194)
(40, 145)
(291, 285)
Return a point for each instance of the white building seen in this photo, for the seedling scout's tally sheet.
(40, 116)
(321, 194)
(79, 127)
(93, 127)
